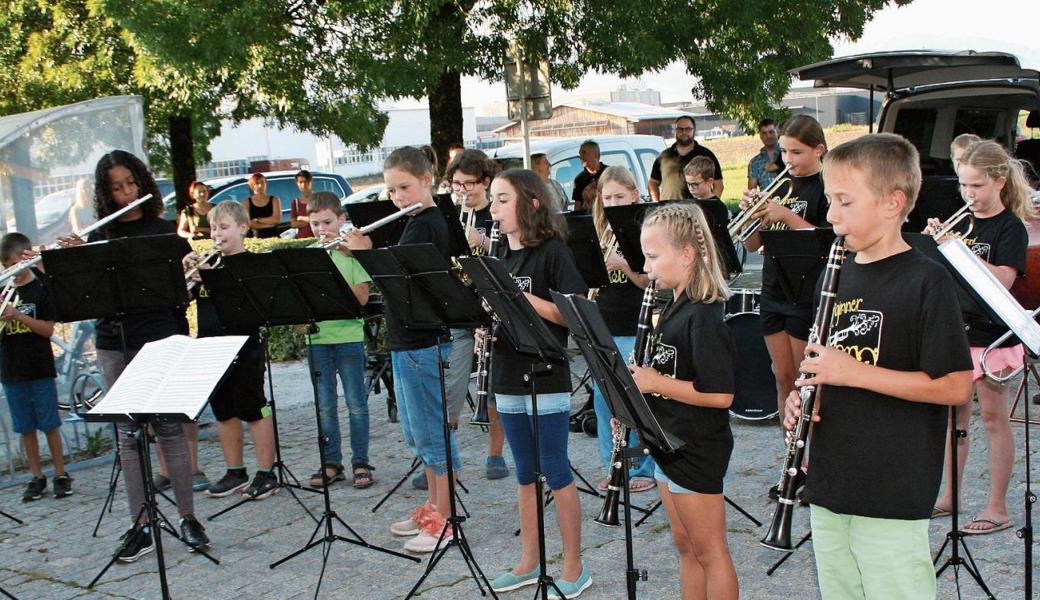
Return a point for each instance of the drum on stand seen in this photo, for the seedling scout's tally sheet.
(755, 395)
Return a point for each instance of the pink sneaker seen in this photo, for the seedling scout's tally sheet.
(413, 524)
(430, 535)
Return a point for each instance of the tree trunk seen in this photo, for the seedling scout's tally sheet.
(445, 115)
(182, 157)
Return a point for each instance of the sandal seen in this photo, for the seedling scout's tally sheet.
(336, 476)
(640, 484)
(993, 526)
(363, 476)
(938, 513)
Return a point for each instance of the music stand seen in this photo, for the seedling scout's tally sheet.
(117, 279)
(529, 336)
(799, 257)
(364, 213)
(627, 403)
(584, 243)
(424, 294)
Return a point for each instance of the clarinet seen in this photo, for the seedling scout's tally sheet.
(779, 535)
(608, 515)
(483, 351)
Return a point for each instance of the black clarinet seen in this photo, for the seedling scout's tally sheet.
(483, 351)
(779, 535)
(608, 516)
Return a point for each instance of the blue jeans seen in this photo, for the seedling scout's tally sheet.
(33, 404)
(553, 429)
(417, 386)
(348, 360)
(603, 415)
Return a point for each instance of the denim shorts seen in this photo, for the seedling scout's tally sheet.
(34, 405)
(547, 403)
(673, 487)
(417, 387)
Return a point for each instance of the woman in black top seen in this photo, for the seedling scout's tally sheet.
(265, 210)
(689, 386)
(995, 187)
(786, 321)
(619, 303)
(119, 179)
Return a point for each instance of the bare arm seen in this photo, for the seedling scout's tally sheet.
(44, 329)
(546, 309)
(655, 189)
(360, 292)
(652, 382)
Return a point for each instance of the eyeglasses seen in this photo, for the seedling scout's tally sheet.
(464, 186)
(693, 184)
(685, 128)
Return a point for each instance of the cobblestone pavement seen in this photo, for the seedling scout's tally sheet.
(53, 555)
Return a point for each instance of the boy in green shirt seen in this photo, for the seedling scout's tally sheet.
(339, 347)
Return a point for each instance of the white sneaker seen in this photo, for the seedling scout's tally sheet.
(413, 524)
(429, 537)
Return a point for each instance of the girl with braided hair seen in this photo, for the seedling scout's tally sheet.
(689, 385)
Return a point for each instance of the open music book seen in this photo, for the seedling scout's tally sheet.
(170, 379)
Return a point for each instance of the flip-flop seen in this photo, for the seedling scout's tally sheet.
(938, 513)
(996, 526)
(640, 484)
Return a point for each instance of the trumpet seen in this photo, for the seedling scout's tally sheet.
(204, 259)
(7, 299)
(947, 226)
(8, 274)
(608, 515)
(608, 250)
(367, 229)
(779, 535)
(743, 225)
(994, 377)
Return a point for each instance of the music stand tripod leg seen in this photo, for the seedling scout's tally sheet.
(13, 518)
(328, 516)
(7, 594)
(787, 555)
(415, 465)
(454, 520)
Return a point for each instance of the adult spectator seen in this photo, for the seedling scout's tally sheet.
(768, 163)
(589, 154)
(540, 165)
(666, 178)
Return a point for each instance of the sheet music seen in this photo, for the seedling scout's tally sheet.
(173, 376)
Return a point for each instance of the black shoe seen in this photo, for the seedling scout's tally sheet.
(193, 532)
(136, 543)
(233, 481)
(62, 486)
(264, 484)
(163, 483)
(34, 489)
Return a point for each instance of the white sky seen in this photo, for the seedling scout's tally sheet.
(1001, 25)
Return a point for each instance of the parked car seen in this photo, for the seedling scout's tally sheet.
(372, 192)
(933, 96)
(279, 183)
(636, 152)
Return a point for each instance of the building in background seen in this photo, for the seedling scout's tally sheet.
(600, 118)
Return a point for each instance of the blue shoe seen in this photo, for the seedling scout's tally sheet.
(571, 589)
(507, 581)
(495, 467)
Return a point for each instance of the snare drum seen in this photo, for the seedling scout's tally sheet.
(755, 395)
(743, 301)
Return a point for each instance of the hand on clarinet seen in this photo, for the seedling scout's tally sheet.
(646, 378)
(829, 366)
(793, 411)
(478, 337)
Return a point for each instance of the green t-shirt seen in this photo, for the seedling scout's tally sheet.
(345, 330)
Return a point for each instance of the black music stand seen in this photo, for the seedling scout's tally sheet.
(584, 243)
(20, 522)
(364, 213)
(421, 290)
(529, 336)
(293, 286)
(118, 279)
(799, 257)
(627, 403)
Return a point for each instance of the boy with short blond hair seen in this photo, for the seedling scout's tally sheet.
(27, 370)
(898, 358)
(339, 347)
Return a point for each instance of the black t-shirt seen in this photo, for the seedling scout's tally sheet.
(427, 227)
(583, 180)
(25, 355)
(874, 455)
(808, 202)
(209, 325)
(144, 327)
(668, 170)
(1001, 240)
(692, 343)
(537, 270)
(619, 303)
(482, 224)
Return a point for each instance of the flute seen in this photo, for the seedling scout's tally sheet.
(9, 273)
(367, 229)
